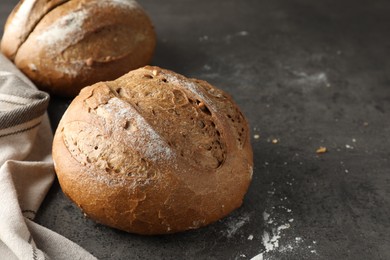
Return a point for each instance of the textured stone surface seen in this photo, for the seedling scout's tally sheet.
(306, 74)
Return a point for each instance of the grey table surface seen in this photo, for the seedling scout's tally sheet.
(305, 73)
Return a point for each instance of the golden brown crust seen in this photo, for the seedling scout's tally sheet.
(22, 21)
(154, 152)
(81, 42)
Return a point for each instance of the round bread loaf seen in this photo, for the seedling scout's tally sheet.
(153, 152)
(65, 45)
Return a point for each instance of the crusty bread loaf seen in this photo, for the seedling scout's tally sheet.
(66, 45)
(153, 152)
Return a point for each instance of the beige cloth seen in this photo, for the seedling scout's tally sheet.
(26, 172)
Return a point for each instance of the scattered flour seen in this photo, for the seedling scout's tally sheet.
(271, 240)
(310, 81)
(258, 257)
(229, 37)
(349, 146)
(277, 219)
(203, 38)
(235, 224)
(207, 67)
(265, 216)
(242, 33)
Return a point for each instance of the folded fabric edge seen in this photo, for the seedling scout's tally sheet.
(36, 105)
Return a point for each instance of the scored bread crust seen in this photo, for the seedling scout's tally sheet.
(64, 46)
(22, 20)
(154, 152)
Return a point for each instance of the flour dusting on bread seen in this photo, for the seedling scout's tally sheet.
(58, 33)
(121, 3)
(190, 86)
(72, 24)
(142, 137)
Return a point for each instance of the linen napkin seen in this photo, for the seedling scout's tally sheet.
(26, 172)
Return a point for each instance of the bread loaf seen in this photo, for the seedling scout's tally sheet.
(153, 152)
(66, 45)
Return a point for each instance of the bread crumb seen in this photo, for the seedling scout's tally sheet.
(203, 38)
(365, 124)
(250, 237)
(275, 141)
(265, 216)
(207, 67)
(321, 149)
(256, 136)
(89, 62)
(32, 67)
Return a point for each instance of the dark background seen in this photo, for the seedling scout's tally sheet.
(306, 73)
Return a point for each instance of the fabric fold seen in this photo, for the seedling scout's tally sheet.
(19, 102)
(26, 171)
